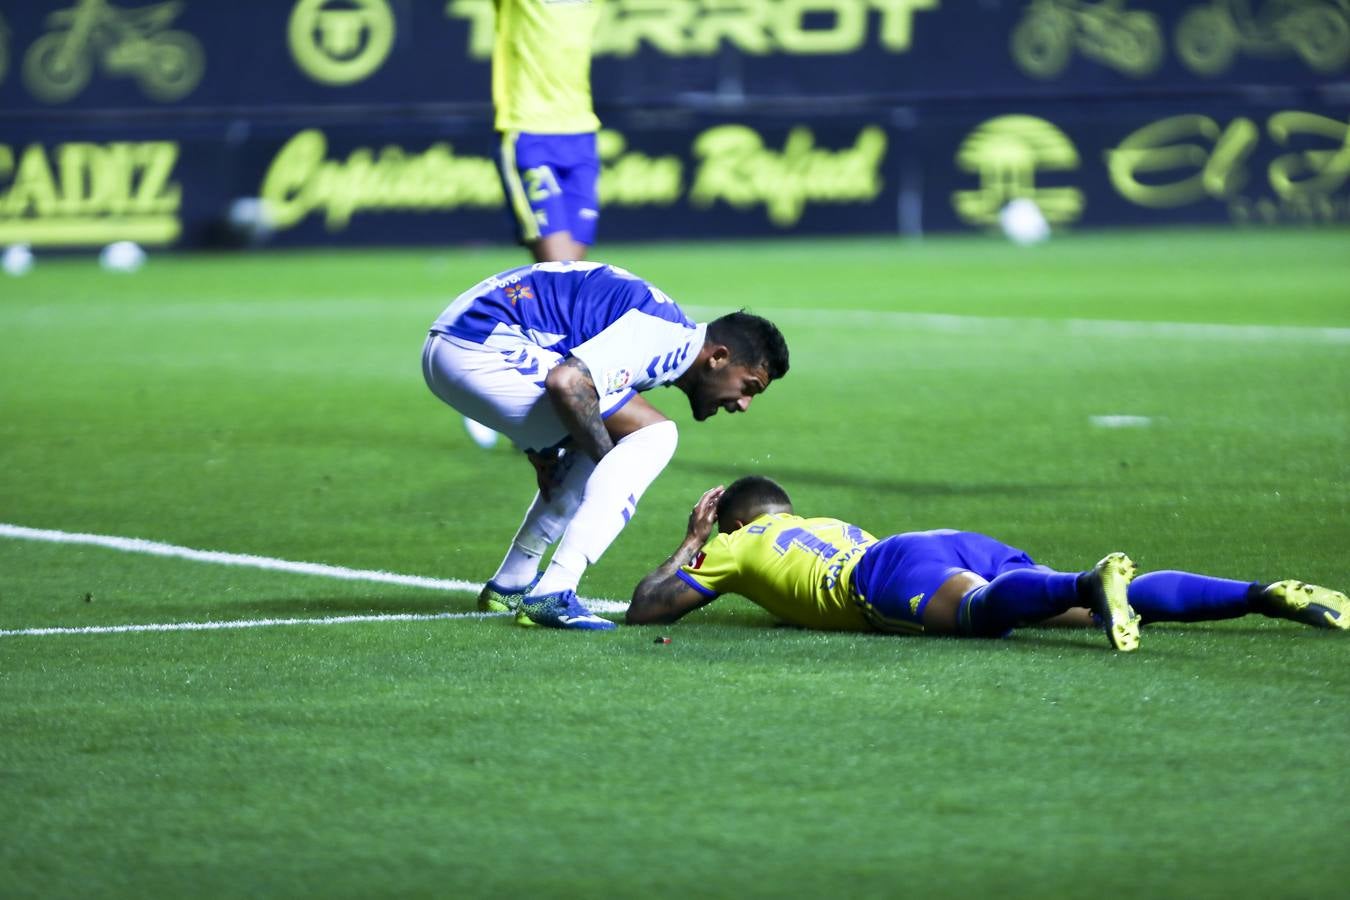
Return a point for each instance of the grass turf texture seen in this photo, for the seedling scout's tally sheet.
(273, 405)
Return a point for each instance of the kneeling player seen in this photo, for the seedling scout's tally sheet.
(827, 574)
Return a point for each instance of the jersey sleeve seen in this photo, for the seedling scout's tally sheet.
(635, 353)
(714, 569)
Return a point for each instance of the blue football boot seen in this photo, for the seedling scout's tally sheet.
(560, 609)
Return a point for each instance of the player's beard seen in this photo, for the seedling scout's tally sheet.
(702, 407)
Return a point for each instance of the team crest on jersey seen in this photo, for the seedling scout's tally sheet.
(519, 292)
(914, 604)
(617, 380)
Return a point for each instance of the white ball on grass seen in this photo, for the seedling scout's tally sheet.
(1023, 222)
(122, 256)
(18, 259)
(481, 435)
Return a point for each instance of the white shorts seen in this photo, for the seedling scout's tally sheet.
(501, 384)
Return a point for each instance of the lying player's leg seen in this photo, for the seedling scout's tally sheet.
(1031, 596)
(1310, 604)
(962, 583)
(1170, 596)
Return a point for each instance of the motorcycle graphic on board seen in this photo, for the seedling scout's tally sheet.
(1209, 37)
(135, 43)
(1127, 40)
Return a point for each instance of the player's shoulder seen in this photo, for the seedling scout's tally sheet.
(555, 268)
(620, 290)
(592, 272)
(610, 272)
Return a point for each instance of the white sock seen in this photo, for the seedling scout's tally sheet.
(608, 502)
(544, 523)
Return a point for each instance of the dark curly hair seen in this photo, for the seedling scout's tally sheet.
(752, 340)
(748, 498)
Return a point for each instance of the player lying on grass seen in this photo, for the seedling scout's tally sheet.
(828, 574)
(554, 356)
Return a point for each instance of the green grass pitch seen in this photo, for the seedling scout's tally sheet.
(273, 405)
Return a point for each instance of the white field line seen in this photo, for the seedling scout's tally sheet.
(241, 623)
(1112, 328)
(155, 548)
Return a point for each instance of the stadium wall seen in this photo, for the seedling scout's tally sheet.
(368, 121)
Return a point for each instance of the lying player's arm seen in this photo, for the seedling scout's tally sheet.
(663, 596)
(572, 392)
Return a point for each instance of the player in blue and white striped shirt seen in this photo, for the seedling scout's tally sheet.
(555, 356)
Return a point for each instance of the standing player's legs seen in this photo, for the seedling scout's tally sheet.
(551, 184)
(644, 443)
(581, 191)
(962, 583)
(487, 384)
(592, 503)
(544, 524)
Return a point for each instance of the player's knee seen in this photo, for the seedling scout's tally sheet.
(657, 441)
(637, 413)
(942, 614)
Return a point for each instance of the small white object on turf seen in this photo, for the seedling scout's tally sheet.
(482, 435)
(122, 256)
(251, 219)
(18, 259)
(1023, 222)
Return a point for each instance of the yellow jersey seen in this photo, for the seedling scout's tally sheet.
(541, 66)
(798, 569)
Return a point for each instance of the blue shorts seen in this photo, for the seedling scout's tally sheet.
(552, 183)
(898, 575)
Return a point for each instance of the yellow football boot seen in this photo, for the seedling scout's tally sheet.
(1310, 604)
(494, 598)
(1112, 577)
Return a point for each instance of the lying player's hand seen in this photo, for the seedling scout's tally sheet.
(703, 519)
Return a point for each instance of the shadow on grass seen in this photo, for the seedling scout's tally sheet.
(730, 628)
(834, 478)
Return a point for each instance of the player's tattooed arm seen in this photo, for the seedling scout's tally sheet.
(572, 392)
(663, 596)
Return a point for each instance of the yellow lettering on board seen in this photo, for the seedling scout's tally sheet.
(737, 169)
